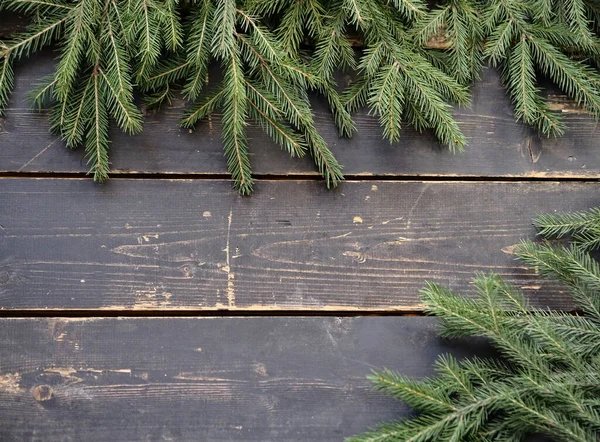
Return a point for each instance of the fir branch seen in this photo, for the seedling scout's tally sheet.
(97, 137)
(198, 56)
(203, 108)
(560, 225)
(550, 383)
(6, 82)
(416, 62)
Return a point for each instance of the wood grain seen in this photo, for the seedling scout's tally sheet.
(10, 24)
(196, 245)
(203, 379)
(498, 146)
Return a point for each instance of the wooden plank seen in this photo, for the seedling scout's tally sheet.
(215, 379)
(10, 24)
(498, 146)
(197, 245)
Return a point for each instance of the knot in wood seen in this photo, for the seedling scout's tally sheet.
(42, 393)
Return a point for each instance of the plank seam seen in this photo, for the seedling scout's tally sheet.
(125, 313)
(307, 177)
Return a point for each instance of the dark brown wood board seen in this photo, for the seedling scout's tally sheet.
(196, 245)
(207, 379)
(10, 23)
(499, 147)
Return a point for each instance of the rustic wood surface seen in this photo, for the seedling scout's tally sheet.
(147, 245)
(499, 147)
(189, 244)
(206, 379)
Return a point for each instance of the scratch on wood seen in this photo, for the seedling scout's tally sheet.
(227, 268)
(341, 236)
(38, 154)
(414, 206)
(188, 376)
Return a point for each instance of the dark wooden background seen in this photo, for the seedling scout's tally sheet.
(163, 306)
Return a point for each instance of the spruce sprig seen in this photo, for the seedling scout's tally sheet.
(452, 35)
(103, 43)
(547, 380)
(395, 80)
(414, 63)
(261, 82)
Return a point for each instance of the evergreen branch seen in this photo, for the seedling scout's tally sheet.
(560, 225)
(291, 29)
(418, 394)
(73, 126)
(572, 78)
(356, 96)
(436, 112)
(520, 78)
(97, 137)
(234, 121)
(499, 42)
(267, 102)
(127, 115)
(550, 422)
(117, 61)
(223, 39)
(415, 62)
(72, 53)
(31, 5)
(333, 50)
(279, 133)
(40, 96)
(199, 53)
(167, 74)
(146, 39)
(342, 117)
(387, 99)
(203, 108)
(298, 112)
(6, 82)
(171, 20)
(42, 35)
(324, 159)
(570, 266)
(549, 385)
(410, 9)
(156, 99)
(431, 24)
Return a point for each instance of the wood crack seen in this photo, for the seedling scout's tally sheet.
(227, 268)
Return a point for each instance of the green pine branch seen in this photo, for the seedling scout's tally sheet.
(101, 44)
(415, 62)
(262, 83)
(546, 380)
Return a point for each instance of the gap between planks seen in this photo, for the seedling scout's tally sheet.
(551, 177)
(189, 313)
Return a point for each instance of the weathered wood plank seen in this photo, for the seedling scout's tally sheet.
(187, 244)
(220, 379)
(498, 145)
(11, 23)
